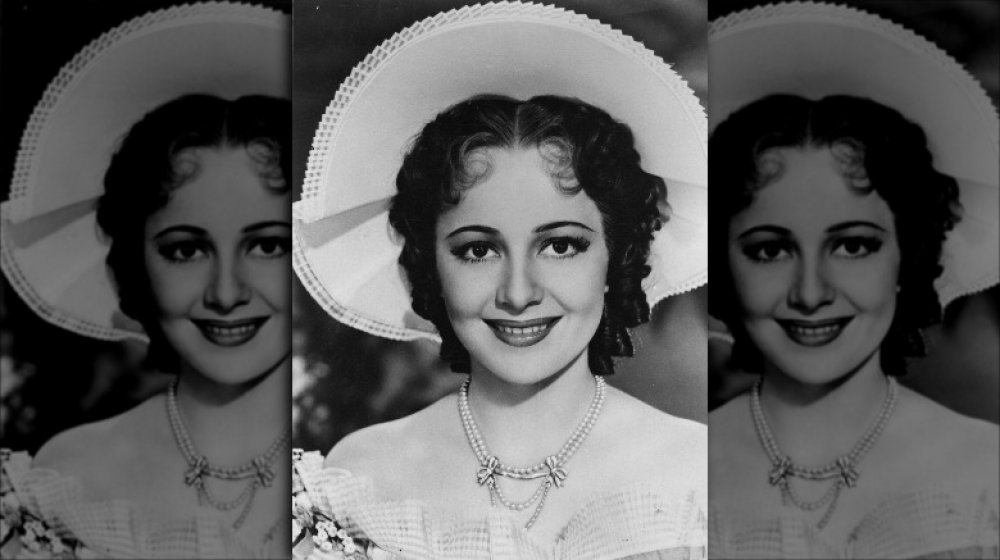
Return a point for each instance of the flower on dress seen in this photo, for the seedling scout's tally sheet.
(25, 534)
(316, 534)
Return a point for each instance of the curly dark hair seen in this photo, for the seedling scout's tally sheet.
(882, 151)
(590, 151)
(143, 173)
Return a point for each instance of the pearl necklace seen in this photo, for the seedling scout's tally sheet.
(257, 469)
(843, 469)
(551, 469)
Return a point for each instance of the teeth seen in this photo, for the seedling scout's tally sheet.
(814, 331)
(241, 330)
(522, 331)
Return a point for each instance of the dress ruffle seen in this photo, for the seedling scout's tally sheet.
(121, 529)
(945, 520)
(657, 519)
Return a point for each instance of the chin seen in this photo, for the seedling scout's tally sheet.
(236, 365)
(823, 369)
(522, 366)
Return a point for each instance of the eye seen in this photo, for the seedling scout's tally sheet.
(767, 251)
(270, 247)
(475, 251)
(564, 247)
(183, 251)
(856, 247)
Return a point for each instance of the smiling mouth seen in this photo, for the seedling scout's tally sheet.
(522, 333)
(814, 333)
(229, 333)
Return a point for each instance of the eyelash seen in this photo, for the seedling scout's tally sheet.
(867, 246)
(171, 252)
(576, 244)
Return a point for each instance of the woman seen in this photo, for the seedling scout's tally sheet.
(526, 229)
(195, 211)
(835, 213)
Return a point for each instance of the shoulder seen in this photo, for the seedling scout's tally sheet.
(966, 447)
(733, 446)
(649, 437)
(369, 450)
(730, 423)
(91, 452)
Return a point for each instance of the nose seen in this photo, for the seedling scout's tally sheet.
(811, 289)
(227, 289)
(518, 288)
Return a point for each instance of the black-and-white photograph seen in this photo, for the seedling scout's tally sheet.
(500, 238)
(146, 295)
(854, 246)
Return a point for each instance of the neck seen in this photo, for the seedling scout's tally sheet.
(524, 423)
(815, 423)
(231, 424)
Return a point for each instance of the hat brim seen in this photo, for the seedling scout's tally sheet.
(815, 50)
(345, 253)
(53, 252)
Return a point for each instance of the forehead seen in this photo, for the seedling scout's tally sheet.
(517, 194)
(225, 190)
(809, 194)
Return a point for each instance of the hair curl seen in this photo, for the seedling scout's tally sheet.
(589, 151)
(144, 171)
(882, 151)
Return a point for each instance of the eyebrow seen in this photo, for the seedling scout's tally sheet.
(855, 223)
(264, 225)
(540, 229)
(557, 225)
(193, 230)
(477, 228)
(764, 229)
(181, 229)
(777, 230)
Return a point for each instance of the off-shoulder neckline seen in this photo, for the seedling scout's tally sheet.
(72, 497)
(689, 494)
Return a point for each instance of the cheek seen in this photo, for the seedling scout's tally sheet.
(271, 280)
(871, 286)
(759, 289)
(577, 284)
(466, 289)
(175, 288)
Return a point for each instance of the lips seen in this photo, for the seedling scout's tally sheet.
(229, 333)
(814, 333)
(522, 333)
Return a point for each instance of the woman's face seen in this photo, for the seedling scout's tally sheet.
(218, 261)
(522, 268)
(815, 264)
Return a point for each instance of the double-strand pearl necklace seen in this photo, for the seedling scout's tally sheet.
(843, 469)
(257, 469)
(551, 469)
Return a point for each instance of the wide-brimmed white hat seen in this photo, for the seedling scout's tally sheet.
(53, 253)
(815, 50)
(344, 251)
